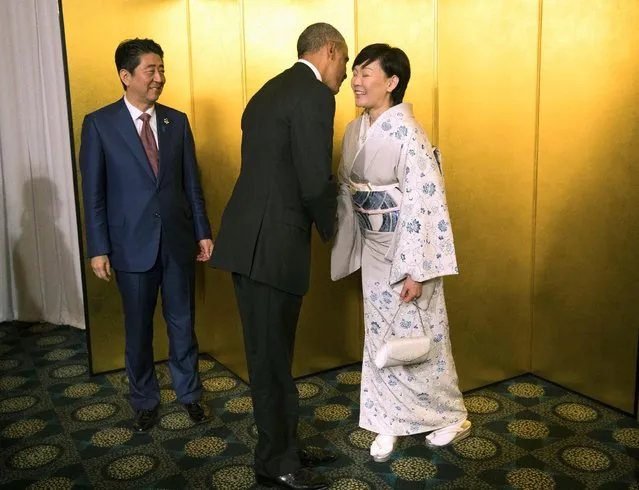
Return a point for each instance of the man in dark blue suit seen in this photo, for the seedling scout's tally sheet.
(145, 220)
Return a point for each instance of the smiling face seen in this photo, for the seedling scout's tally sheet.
(145, 84)
(372, 87)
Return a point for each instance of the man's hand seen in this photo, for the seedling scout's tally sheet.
(206, 249)
(101, 267)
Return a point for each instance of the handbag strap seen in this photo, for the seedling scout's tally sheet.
(392, 322)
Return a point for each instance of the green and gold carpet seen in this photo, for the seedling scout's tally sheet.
(61, 428)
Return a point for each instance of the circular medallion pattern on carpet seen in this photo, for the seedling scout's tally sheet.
(576, 412)
(111, 437)
(530, 479)
(528, 429)
(350, 377)
(205, 447)
(35, 456)
(585, 458)
(414, 469)
(70, 371)
(23, 428)
(59, 355)
(51, 340)
(17, 403)
(332, 412)
(476, 448)
(130, 467)
(241, 404)
(236, 477)
(481, 404)
(307, 390)
(81, 390)
(526, 390)
(95, 412)
(627, 437)
(219, 383)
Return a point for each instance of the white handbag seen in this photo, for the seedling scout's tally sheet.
(404, 351)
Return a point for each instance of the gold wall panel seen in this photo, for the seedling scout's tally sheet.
(408, 25)
(487, 87)
(330, 326)
(585, 319)
(93, 31)
(218, 94)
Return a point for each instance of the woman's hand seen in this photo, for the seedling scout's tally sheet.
(411, 290)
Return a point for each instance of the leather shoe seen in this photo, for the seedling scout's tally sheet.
(314, 456)
(145, 419)
(302, 479)
(196, 412)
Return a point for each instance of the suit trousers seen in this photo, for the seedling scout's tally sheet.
(269, 319)
(139, 292)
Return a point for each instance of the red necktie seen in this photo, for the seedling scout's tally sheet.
(148, 141)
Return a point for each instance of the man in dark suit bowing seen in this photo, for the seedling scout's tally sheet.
(145, 220)
(285, 185)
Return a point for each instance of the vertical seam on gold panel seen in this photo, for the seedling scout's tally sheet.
(189, 38)
(435, 121)
(243, 53)
(200, 281)
(533, 241)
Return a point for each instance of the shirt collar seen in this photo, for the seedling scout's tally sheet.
(135, 112)
(312, 67)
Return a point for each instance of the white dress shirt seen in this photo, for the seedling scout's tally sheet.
(312, 67)
(135, 114)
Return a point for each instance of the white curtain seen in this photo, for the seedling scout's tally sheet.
(40, 276)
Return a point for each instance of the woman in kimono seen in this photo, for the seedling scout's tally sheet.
(394, 224)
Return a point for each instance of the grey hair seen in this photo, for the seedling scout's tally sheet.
(317, 35)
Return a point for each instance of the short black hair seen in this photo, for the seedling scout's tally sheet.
(393, 61)
(129, 51)
(317, 35)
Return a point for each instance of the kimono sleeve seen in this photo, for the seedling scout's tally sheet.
(346, 255)
(424, 247)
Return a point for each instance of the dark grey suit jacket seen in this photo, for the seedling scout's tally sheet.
(285, 183)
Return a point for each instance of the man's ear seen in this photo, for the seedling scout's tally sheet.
(125, 77)
(332, 50)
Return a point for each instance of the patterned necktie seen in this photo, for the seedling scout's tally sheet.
(148, 141)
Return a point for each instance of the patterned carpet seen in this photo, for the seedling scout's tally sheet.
(60, 428)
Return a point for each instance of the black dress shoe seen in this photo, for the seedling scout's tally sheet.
(145, 419)
(314, 456)
(302, 479)
(196, 412)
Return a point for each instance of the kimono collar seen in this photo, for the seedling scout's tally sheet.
(403, 110)
(399, 111)
(372, 137)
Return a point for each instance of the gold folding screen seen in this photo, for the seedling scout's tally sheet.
(587, 265)
(532, 104)
(487, 93)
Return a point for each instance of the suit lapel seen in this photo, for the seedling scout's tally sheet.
(164, 138)
(129, 133)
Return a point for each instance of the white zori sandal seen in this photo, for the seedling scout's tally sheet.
(382, 448)
(449, 435)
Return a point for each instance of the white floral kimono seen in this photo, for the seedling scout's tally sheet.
(394, 223)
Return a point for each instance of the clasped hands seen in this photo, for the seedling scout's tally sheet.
(102, 267)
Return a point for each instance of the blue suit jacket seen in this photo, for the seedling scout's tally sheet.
(126, 208)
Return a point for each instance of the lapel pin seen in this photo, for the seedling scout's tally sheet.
(166, 120)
